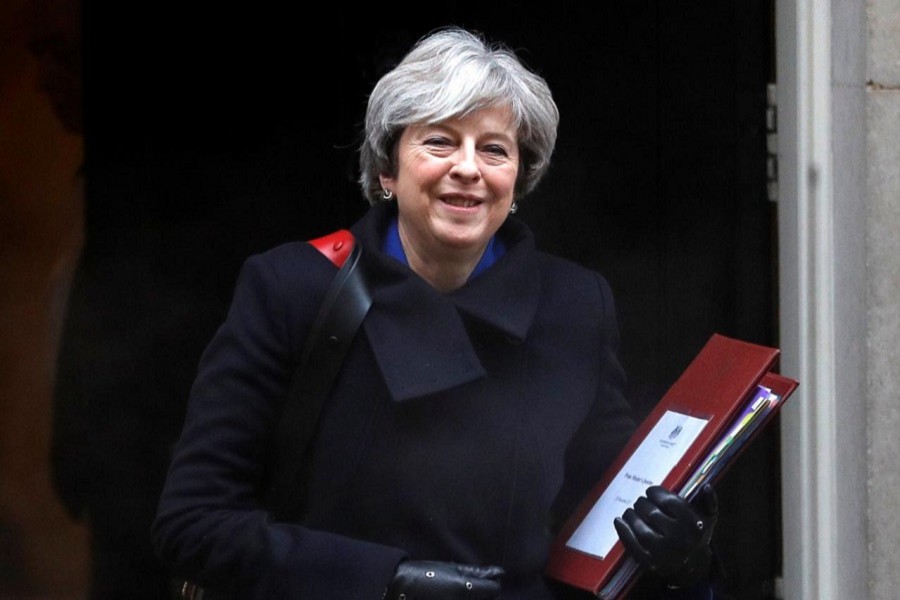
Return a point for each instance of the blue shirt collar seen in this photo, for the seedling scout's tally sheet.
(393, 248)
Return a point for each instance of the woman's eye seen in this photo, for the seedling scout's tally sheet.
(496, 150)
(437, 141)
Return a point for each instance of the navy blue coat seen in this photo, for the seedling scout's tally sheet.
(462, 427)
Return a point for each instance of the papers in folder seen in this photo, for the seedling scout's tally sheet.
(764, 402)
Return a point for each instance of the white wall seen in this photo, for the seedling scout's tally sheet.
(883, 274)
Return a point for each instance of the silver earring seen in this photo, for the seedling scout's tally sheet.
(386, 194)
(513, 208)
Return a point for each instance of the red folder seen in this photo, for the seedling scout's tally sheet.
(717, 384)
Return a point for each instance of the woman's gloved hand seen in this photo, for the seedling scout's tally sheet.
(670, 536)
(434, 580)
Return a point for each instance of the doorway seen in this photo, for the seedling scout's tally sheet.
(231, 132)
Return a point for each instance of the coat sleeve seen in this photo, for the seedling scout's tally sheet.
(210, 527)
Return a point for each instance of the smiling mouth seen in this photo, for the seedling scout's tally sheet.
(461, 202)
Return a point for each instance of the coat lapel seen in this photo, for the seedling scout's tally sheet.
(418, 335)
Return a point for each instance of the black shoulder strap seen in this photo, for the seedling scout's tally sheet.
(342, 312)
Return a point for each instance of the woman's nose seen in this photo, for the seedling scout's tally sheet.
(465, 166)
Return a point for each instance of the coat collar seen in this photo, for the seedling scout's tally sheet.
(418, 335)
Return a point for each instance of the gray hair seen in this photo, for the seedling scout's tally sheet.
(449, 74)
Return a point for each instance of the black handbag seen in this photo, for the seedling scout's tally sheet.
(342, 312)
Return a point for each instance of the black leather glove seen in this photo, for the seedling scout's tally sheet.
(434, 580)
(670, 536)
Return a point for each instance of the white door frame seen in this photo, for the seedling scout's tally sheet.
(822, 442)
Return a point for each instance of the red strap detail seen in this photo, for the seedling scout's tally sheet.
(335, 246)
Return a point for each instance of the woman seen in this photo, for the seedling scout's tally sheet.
(480, 400)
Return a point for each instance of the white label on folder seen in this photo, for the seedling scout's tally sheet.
(657, 455)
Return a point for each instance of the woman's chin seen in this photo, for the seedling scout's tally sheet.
(463, 241)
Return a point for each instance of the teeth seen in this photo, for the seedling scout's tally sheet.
(462, 203)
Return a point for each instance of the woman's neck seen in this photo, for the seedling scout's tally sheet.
(447, 271)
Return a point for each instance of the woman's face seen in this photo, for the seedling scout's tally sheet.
(454, 183)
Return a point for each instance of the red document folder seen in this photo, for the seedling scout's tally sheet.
(716, 386)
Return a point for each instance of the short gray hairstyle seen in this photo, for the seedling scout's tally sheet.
(448, 74)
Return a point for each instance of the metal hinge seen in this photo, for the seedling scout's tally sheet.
(772, 142)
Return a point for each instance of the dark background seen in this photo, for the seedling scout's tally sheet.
(214, 132)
